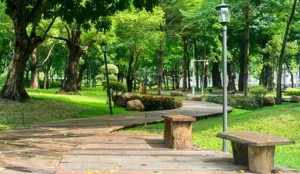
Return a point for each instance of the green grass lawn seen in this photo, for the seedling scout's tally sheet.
(282, 120)
(45, 106)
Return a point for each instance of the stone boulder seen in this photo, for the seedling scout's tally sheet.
(294, 99)
(269, 101)
(135, 105)
(121, 100)
(194, 97)
(177, 93)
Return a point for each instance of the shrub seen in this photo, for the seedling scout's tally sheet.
(112, 78)
(152, 102)
(292, 91)
(112, 69)
(116, 88)
(237, 101)
(258, 92)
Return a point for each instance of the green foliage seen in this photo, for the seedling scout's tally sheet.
(111, 68)
(112, 78)
(259, 92)
(236, 101)
(154, 102)
(292, 91)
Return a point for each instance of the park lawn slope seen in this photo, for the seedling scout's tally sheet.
(45, 106)
(282, 120)
(92, 100)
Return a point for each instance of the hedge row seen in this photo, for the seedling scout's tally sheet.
(291, 91)
(237, 101)
(153, 102)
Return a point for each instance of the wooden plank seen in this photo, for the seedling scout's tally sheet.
(179, 118)
(148, 162)
(254, 139)
(153, 152)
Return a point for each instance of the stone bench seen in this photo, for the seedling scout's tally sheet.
(178, 131)
(254, 149)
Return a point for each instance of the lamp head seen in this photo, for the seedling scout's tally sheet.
(103, 47)
(223, 13)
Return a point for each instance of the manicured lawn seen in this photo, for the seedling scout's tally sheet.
(282, 120)
(45, 106)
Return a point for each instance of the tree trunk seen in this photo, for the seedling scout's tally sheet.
(197, 64)
(188, 69)
(167, 81)
(34, 70)
(246, 70)
(184, 64)
(206, 76)
(14, 85)
(27, 83)
(129, 73)
(216, 76)
(81, 72)
(280, 62)
(177, 80)
(46, 75)
(242, 69)
(75, 53)
(173, 77)
(231, 79)
(160, 67)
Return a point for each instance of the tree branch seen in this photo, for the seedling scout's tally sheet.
(49, 27)
(68, 31)
(91, 43)
(59, 38)
(39, 7)
(49, 54)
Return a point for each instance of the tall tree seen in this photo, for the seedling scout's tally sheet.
(26, 15)
(282, 52)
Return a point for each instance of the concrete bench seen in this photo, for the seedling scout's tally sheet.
(254, 149)
(178, 131)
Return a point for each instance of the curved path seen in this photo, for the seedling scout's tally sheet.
(40, 149)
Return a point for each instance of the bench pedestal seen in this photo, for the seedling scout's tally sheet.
(261, 159)
(178, 131)
(240, 153)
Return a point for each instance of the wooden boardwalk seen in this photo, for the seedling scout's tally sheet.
(123, 153)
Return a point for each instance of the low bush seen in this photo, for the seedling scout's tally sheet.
(258, 92)
(292, 91)
(236, 101)
(152, 102)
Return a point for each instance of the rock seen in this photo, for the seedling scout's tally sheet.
(294, 99)
(177, 93)
(193, 97)
(121, 100)
(135, 105)
(269, 101)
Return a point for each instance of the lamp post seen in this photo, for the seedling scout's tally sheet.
(103, 47)
(205, 63)
(224, 19)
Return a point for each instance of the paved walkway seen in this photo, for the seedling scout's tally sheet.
(44, 149)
